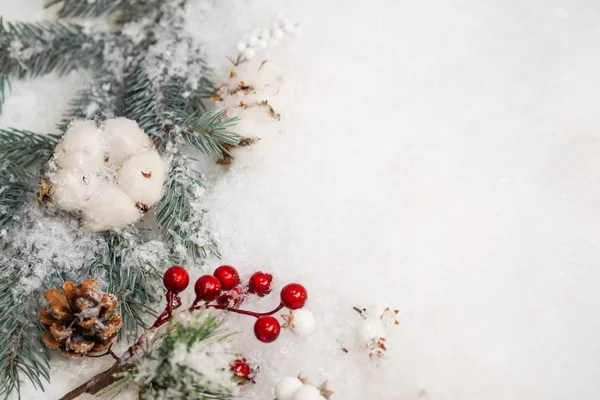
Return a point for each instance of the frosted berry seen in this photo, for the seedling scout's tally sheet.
(228, 276)
(293, 296)
(260, 283)
(232, 297)
(176, 279)
(267, 329)
(241, 370)
(207, 288)
(302, 322)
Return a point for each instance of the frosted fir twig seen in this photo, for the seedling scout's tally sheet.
(157, 363)
(30, 49)
(180, 213)
(95, 8)
(26, 148)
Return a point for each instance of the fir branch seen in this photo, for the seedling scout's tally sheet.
(15, 185)
(130, 276)
(26, 148)
(87, 9)
(21, 349)
(31, 49)
(99, 100)
(159, 377)
(180, 214)
(4, 87)
(210, 132)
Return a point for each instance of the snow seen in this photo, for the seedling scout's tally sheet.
(440, 157)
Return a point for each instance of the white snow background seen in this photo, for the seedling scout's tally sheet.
(438, 155)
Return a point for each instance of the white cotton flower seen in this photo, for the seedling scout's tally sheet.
(307, 392)
(302, 322)
(287, 387)
(108, 172)
(371, 329)
(142, 177)
(109, 208)
(72, 189)
(82, 147)
(124, 138)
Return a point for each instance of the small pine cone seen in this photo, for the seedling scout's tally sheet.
(80, 320)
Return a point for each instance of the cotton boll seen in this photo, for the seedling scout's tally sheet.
(71, 189)
(303, 322)
(109, 208)
(370, 329)
(124, 139)
(142, 177)
(82, 146)
(307, 392)
(287, 387)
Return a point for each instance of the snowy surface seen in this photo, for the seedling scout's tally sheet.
(441, 156)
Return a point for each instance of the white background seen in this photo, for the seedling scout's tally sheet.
(438, 155)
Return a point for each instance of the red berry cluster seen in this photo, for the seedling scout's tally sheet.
(223, 287)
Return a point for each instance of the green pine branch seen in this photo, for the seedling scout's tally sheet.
(87, 9)
(100, 99)
(30, 49)
(210, 132)
(158, 377)
(180, 214)
(26, 148)
(130, 275)
(21, 349)
(15, 186)
(4, 88)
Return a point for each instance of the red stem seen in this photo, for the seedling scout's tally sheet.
(244, 312)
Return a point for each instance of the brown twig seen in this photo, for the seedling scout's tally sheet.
(99, 382)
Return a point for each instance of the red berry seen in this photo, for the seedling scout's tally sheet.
(176, 279)
(207, 288)
(266, 329)
(293, 296)
(232, 297)
(228, 276)
(241, 370)
(260, 283)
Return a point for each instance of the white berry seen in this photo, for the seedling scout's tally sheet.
(277, 33)
(265, 34)
(249, 54)
(307, 392)
(252, 40)
(262, 44)
(287, 387)
(241, 46)
(303, 322)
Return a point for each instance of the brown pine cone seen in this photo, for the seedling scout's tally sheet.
(80, 320)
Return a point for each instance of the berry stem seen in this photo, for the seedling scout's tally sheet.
(243, 312)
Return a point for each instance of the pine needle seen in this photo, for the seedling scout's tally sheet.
(26, 148)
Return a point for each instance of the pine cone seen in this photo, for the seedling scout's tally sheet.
(80, 320)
